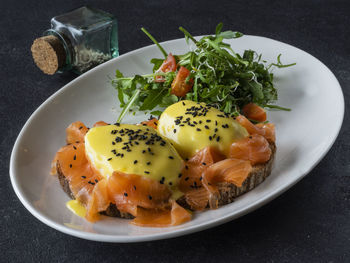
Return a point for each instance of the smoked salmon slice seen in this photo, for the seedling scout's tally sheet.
(254, 148)
(230, 170)
(98, 202)
(233, 171)
(100, 123)
(76, 132)
(266, 130)
(191, 182)
(128, 191)
(193, 169)
(254, 112)
(176, 215)
(74, 165)
(269, 131)
(197, 199)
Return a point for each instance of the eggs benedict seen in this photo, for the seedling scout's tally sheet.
(128, 169)
(192, 126)
(134, 149)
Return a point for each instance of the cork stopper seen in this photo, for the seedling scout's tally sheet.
(48, 54)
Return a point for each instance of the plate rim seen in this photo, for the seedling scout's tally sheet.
(184, 231)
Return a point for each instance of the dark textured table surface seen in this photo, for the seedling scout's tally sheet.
(308, 223)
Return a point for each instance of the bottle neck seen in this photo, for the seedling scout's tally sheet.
(67, 65)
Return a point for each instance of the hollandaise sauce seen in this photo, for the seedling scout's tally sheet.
(76, 207)
(192, 126)
(134, 149)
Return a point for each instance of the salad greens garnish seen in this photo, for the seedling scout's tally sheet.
(218, 76)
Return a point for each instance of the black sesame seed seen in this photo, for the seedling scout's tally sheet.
(96, 180)
(109, 159)
(83, 176)
(174, 130)
(144, 151)
(125, 194)
(146, 172)
(210, 138)
(208, 120)
(134, 187)
(70, 166)
(75, 157)
(148, 163)
(204, 163)
(198, 129)
(150, 197)
(186, 167)
(207, 127)
(218, 138)
(186, 179)
(171, 157)
(162, 180)
(135, 162)
(216, 130)
(250, 137)
(74, 147)
(183, 103)
(80, 127)
(180, 174)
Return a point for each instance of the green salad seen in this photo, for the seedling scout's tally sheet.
(212, 73)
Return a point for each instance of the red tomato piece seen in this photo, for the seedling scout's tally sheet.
(180, 87)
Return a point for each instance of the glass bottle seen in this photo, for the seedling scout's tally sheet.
(77, 41)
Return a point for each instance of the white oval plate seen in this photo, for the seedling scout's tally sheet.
(303, 138)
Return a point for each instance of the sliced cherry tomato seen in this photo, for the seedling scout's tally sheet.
(254, 112)
(168, 65)
(179, 87)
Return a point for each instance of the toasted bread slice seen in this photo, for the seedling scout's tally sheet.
(227, 191)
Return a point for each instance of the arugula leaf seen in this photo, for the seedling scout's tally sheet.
(157, 62)
(230, 34)
(218, 28)
(153, 99)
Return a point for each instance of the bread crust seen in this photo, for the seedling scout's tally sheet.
(227, 191)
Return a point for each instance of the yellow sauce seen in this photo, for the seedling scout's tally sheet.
(134, 149)
(192, 126)
(76, 207)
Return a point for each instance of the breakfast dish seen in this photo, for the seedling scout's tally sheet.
(310, 90)
(193, 157)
